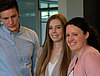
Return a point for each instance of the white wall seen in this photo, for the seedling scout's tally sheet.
(70, 8)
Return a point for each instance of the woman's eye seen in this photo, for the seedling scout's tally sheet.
(58, 27)
(67, 35)
(75, 34)
(50, 27)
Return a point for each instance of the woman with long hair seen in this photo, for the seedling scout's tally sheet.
(54, 55)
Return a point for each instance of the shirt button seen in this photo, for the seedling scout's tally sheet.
(19, 65)
(18, 54)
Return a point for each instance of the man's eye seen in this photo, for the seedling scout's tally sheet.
(13, 16)
(5, 18)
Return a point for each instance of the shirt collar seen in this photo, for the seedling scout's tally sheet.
(8, 31)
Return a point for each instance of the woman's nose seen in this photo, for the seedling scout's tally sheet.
(71, 38)
(54, 30)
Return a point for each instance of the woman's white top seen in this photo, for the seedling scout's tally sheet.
(51, 67)
(71, 74)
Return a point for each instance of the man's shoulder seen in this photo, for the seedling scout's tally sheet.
(28, 30)
(1, 27)
(25, 28)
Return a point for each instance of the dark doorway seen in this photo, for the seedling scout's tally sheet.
(91, 13)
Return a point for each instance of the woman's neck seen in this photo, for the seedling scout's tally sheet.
(56, 51)
(80, 52)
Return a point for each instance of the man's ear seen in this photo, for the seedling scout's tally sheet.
(86, 35)
(18, 14)
(0, 18)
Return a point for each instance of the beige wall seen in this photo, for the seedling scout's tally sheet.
(70, 8)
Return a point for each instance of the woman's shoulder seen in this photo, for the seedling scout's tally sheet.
(90, 61)
(91, 52)
(91, 57)
(39, 51)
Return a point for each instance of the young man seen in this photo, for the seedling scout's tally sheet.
(18, 44)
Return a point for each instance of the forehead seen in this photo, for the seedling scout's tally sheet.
(55, 22)
(8, 12)
(73, 28)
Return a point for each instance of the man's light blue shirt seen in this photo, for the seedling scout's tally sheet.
(18, 52)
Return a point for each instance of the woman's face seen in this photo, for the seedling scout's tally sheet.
(75, 37)
(55, 30)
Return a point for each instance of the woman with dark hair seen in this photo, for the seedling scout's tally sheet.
(54, 56)
(85, 42)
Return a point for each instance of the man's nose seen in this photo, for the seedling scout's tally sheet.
(10, 20)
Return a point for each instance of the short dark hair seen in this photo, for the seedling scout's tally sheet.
(7, 4)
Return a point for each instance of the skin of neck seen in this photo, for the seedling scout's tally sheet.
(80, 52)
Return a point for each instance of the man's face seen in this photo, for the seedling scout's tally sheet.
(10, 19)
